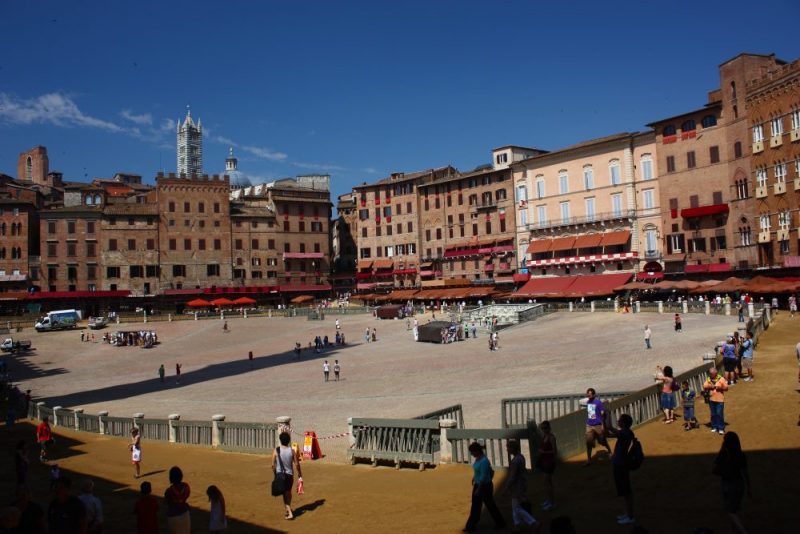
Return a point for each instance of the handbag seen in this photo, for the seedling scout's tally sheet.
(279, 483)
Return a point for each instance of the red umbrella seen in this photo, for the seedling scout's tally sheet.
(198, 303)
(244, 300)
(222, 302)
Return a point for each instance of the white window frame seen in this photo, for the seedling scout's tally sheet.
(541, 214)
(780, 172)
(650, 240)
(647, 167)
(758, 133)
(540, 187)
(746, 237)
(764, 222)
(389, 251)
(675, 241)
(563, 209)
(776, 126)
(616, 204)
(784, 219)
(796, 119)
(648, 198)
(523, 217)
(761, 177)
(590, 211)
(614, 172)
(588, 177)
(563, 183)
(522, 193)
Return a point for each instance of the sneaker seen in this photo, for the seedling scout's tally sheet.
(626, 521)
(713, 430)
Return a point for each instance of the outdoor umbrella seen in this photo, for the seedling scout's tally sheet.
(198, 303)
(222, 302)
(301, 299)
(244, 301)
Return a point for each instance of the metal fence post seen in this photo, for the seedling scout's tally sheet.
(445, 447)
(215, 436)
(77, 411)
(172, 426)
(102, 421)
(55, 414)
(284, 425)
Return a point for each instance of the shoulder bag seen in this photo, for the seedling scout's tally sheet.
(279, 483)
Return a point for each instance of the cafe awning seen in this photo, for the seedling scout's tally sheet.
(611, 239)
(588, 241)
(563, 243)
(539, 246)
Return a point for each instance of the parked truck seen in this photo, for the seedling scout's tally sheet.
(20, 345)
(96, 323)
(58, 320)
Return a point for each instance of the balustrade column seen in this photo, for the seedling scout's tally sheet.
(172, 420)
(215, 430)
(101, 421)
(77, 411)
(445, 447)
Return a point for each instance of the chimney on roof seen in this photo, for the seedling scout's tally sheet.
(397, 175)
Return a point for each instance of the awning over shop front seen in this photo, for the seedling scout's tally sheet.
(615, 238)
(383, 264)
(563, 243)
(708, 268)
(546, 286)
(714, 209)
(573, 286)
(305, 287)
(539, 246)
(588, 241)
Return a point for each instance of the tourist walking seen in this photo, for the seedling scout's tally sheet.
(374, 334)
(217, 522)
(178, 372)
(338, 326)
(666, 378)
(678, 325)
(285, 463)
(474, 330)
(44, 437)
(517, 486)
(729, 360)
(546, 463)
(161, 373)
(716, 386)
(647, 334)
(731, 466)
(688, 396)
(175, 497)
(94, 508)
(482, 490)
(135, 446)
(595, 424)
(225, 327)
(146, 510)
(792, 305)
(621, 469)
(326, 370)
(747, 356)
(336, 369)
(66, 513)
(740, 311)
(366, 335)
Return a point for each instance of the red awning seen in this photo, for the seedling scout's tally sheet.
(719, 267)
(598, 285)
(405, 271)
(503, 248)
(383, 264)
(198, 303)
(563, 243)
(465, 252)
(522, 277)
(713, 209)
(539, 246)
(305, 287)
(365, 286)
(611, 239)
(588, 241)
(543, 287)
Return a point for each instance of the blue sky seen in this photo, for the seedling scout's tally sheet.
(355, 89)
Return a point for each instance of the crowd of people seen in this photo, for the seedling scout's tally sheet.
(135, 338)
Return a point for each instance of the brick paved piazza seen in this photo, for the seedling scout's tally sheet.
(395, 377)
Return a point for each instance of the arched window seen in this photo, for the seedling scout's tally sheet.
(89, 200)
(13, 229)
(669, 129)
(709, 120)
(688, 126)
(97, 200)
(614, 172)
(29, 168)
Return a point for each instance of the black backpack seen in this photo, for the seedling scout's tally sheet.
(635, 455)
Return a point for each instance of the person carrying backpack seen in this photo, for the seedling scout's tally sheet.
(627, 457)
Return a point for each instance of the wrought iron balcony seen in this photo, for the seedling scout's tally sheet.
(597, 218)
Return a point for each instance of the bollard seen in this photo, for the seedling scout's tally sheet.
(727, 308)
(571, 305)
(616, 306)
(284, 425)
(660, 306)
(751, 310)
(638, 307)
(445, 447)
(245, 314)
(215, 435)
(169, 317)
(172, 418)
(137, 420)
(145, 316)
(195, 316)
(39, 410)
(77, 411)
(55, 414)
(708, 307)
(221, 315)
(685, 306)
(351, 437)
(269, 313)
(102, 421)
(591, 306)
(767, 312)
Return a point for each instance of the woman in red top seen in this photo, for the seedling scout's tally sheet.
(44, 437)
(177, 509)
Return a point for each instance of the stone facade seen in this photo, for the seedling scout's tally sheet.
(34, 166)
(773, 108)
(129, 248)
(19, 237)
(704, 156)
(70, 247)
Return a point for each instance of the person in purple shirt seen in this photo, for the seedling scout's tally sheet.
(595, 425)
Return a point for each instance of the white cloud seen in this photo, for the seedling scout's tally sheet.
(264, 153)
(226, 141)
(318, 166)
(51, 108)
(370, 170)
(145, 119)
(167, 125)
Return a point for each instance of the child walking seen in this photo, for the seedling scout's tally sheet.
(217, 521)
(687, 401)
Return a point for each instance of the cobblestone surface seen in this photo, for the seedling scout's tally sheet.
(394, 377)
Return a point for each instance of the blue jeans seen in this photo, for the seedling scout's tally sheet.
(717, 415)
(647, 342)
